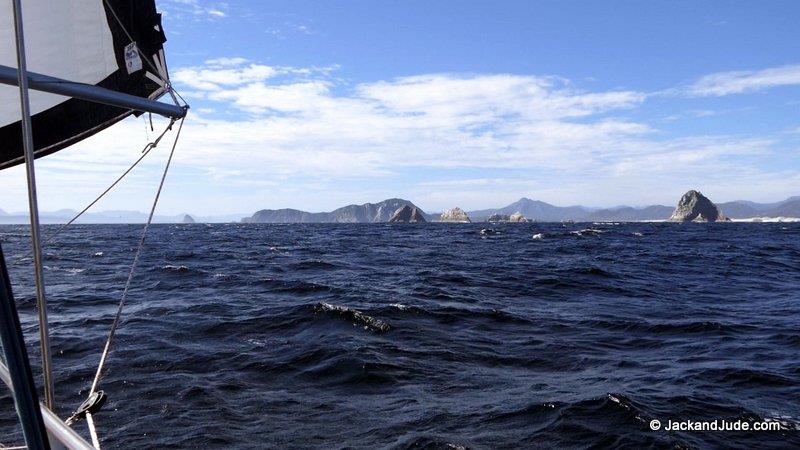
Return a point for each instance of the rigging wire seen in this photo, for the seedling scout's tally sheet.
(117, 317)
(149, 146)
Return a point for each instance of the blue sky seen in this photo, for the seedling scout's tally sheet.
(314, 105)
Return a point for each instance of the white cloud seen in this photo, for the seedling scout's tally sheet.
(738, 82)
(222, 72)
(222, 62)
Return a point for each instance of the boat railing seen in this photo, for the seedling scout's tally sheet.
(57, 431)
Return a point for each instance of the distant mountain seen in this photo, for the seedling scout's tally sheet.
(536, 210)
(366, 213)
(630, 214)
(786, 208)
(741, 209)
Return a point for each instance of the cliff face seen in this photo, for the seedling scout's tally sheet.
(407, 214)
(695, 207)
(369, 212)
(455, 215)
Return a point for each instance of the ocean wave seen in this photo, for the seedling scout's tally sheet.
(744, 377)
(588, 232)
(175, 268)
(676, 328)
(295, 287)
(599, 416)
(354, 316)
(68, 270)
(353, 371)
(428, 442)
(313, 265)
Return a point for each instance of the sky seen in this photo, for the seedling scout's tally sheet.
(317, 104)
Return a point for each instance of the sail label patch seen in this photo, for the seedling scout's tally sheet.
(133, 62)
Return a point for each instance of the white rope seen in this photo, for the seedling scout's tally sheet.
(145, 151)
(115, 323)
(93, 431)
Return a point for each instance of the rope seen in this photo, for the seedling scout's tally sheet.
(93, 431)
(115, 324)
(149, 146)
(117, 317)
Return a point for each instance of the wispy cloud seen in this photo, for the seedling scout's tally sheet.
(194, 9)
(744, 81)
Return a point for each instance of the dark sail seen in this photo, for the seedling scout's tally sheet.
(114, 44)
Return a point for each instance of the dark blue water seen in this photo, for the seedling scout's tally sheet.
(425, 336)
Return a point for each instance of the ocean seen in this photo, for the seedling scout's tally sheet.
(423, 336)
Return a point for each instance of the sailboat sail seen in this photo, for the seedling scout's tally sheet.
(114, 44)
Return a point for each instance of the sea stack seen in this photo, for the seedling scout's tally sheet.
(517, 217)
(188, 219)
(455, 215)
(407, 214)
(695, 207)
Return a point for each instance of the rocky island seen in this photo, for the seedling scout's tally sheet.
(455, 215)
(517, 217)
(695, 207)
(188, 219)
(407, 214)
(498, 218)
